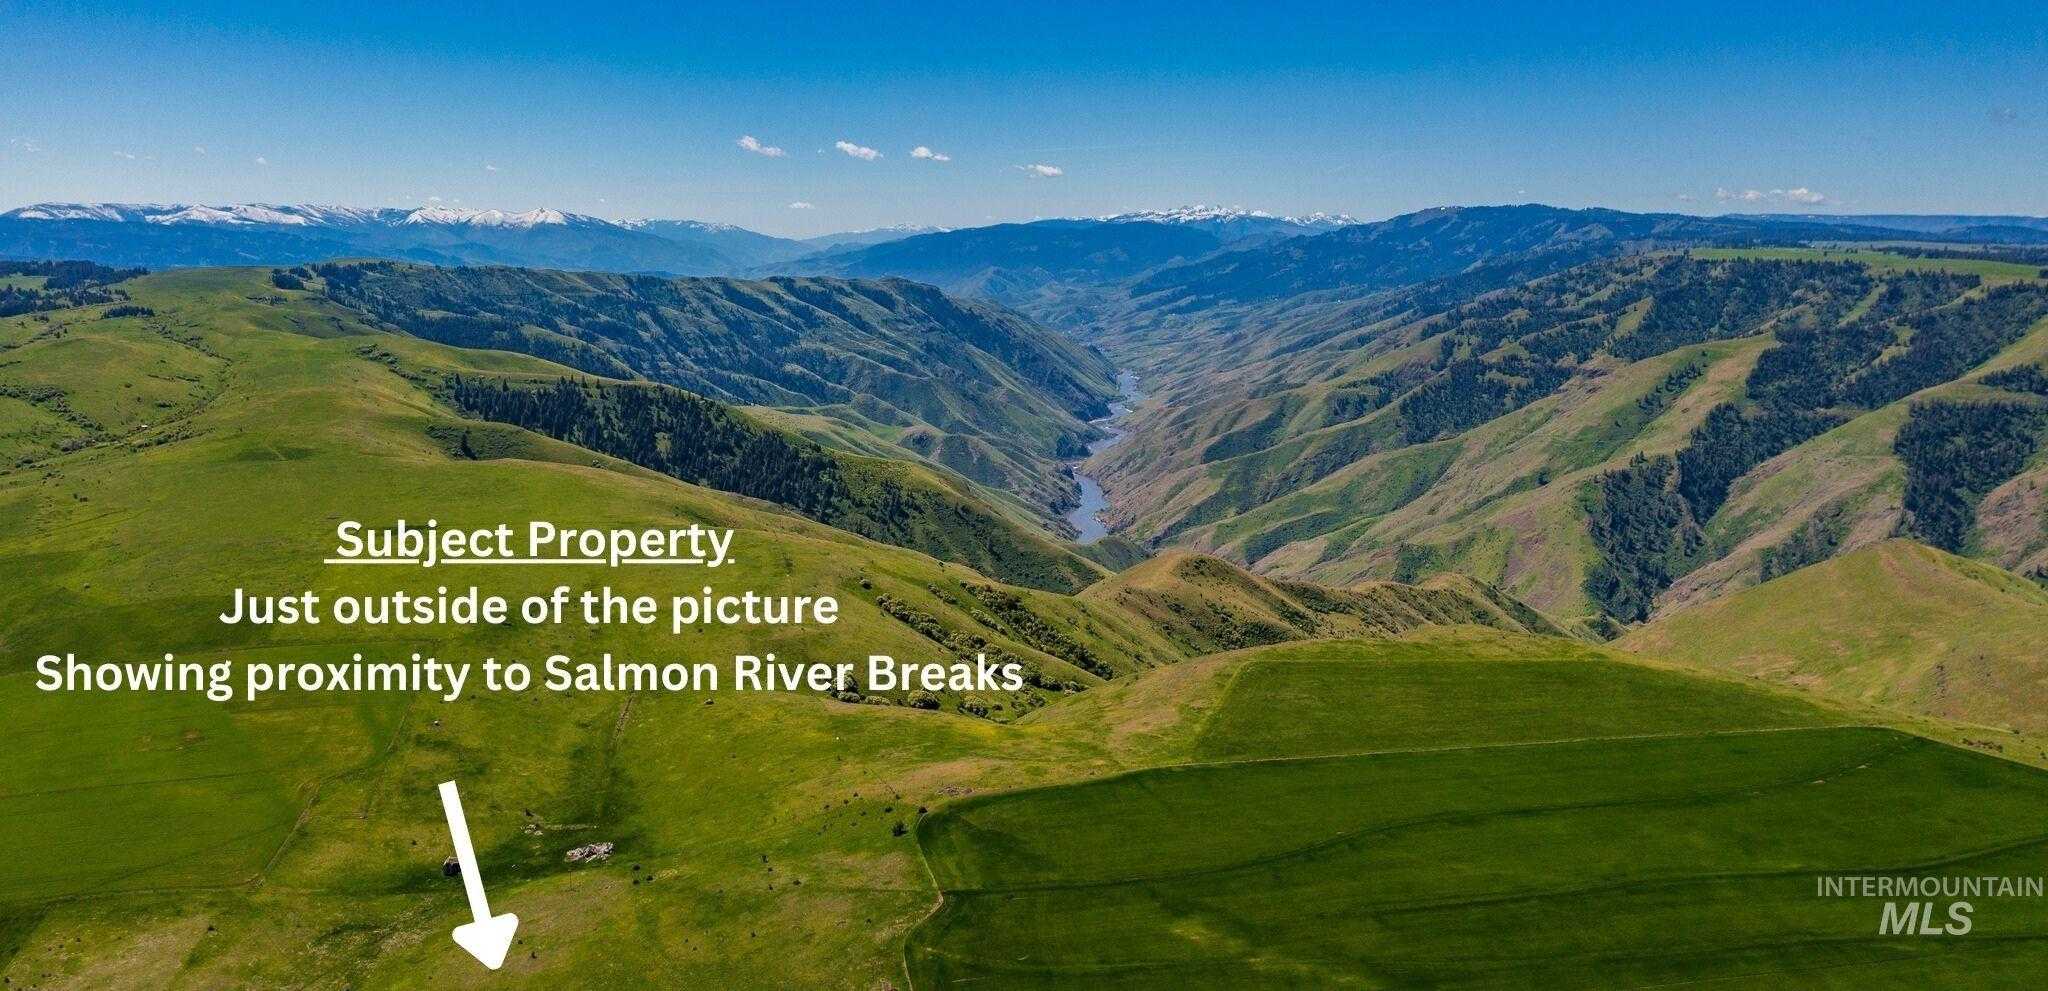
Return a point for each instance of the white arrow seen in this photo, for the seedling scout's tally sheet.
(489, 936)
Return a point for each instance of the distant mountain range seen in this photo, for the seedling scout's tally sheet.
(169, 235)
(1015, 262)
(873, 235)
(1441, 242)
(1063, 270)
(1962, 226)
(155, 235)
(1079, 273)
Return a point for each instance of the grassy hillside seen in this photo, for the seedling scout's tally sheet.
(166, 459)
(1405, 433)
(80, 378)
(1896, 623)
(1678, 823)
(1141, 812)
(966, 384)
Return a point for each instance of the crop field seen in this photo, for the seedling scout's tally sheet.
(1315, 700)
(1549, 850)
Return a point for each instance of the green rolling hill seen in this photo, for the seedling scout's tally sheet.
(205, 433)
(1201, 811)
(1896, 624)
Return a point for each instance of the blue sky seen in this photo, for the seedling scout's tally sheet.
(637, 110)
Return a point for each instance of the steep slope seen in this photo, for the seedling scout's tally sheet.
(1763, 389)
(969, 385)
(63, 387)
(1895, 623)
(1276, 307)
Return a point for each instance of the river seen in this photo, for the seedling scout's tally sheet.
(1086, 517)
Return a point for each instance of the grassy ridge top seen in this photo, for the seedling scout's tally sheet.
(1896, 623)
(1206, 604)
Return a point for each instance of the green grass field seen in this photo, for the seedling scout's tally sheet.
(1647, 835)
(1312, 700)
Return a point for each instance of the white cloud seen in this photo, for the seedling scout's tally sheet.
(1797, 194)
(753, 144)
(1039, 170)
(201, 149)
(862, 152)
(489, 167)
(260, 160)
(923, 152)
(129, 155)
(26, 145)
(1684, 197)
(801, 205)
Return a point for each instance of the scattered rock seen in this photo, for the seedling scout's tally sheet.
(590, 853)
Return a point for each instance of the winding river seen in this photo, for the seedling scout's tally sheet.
(1086, 517)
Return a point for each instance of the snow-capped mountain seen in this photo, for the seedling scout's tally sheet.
(303, 215)
(159, 235)
(1199, 213)
(1235, 223)
(113, 212)
(707, 226)
(266, 214)
(453, 216)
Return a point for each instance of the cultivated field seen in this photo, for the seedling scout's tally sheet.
(1546, 823)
